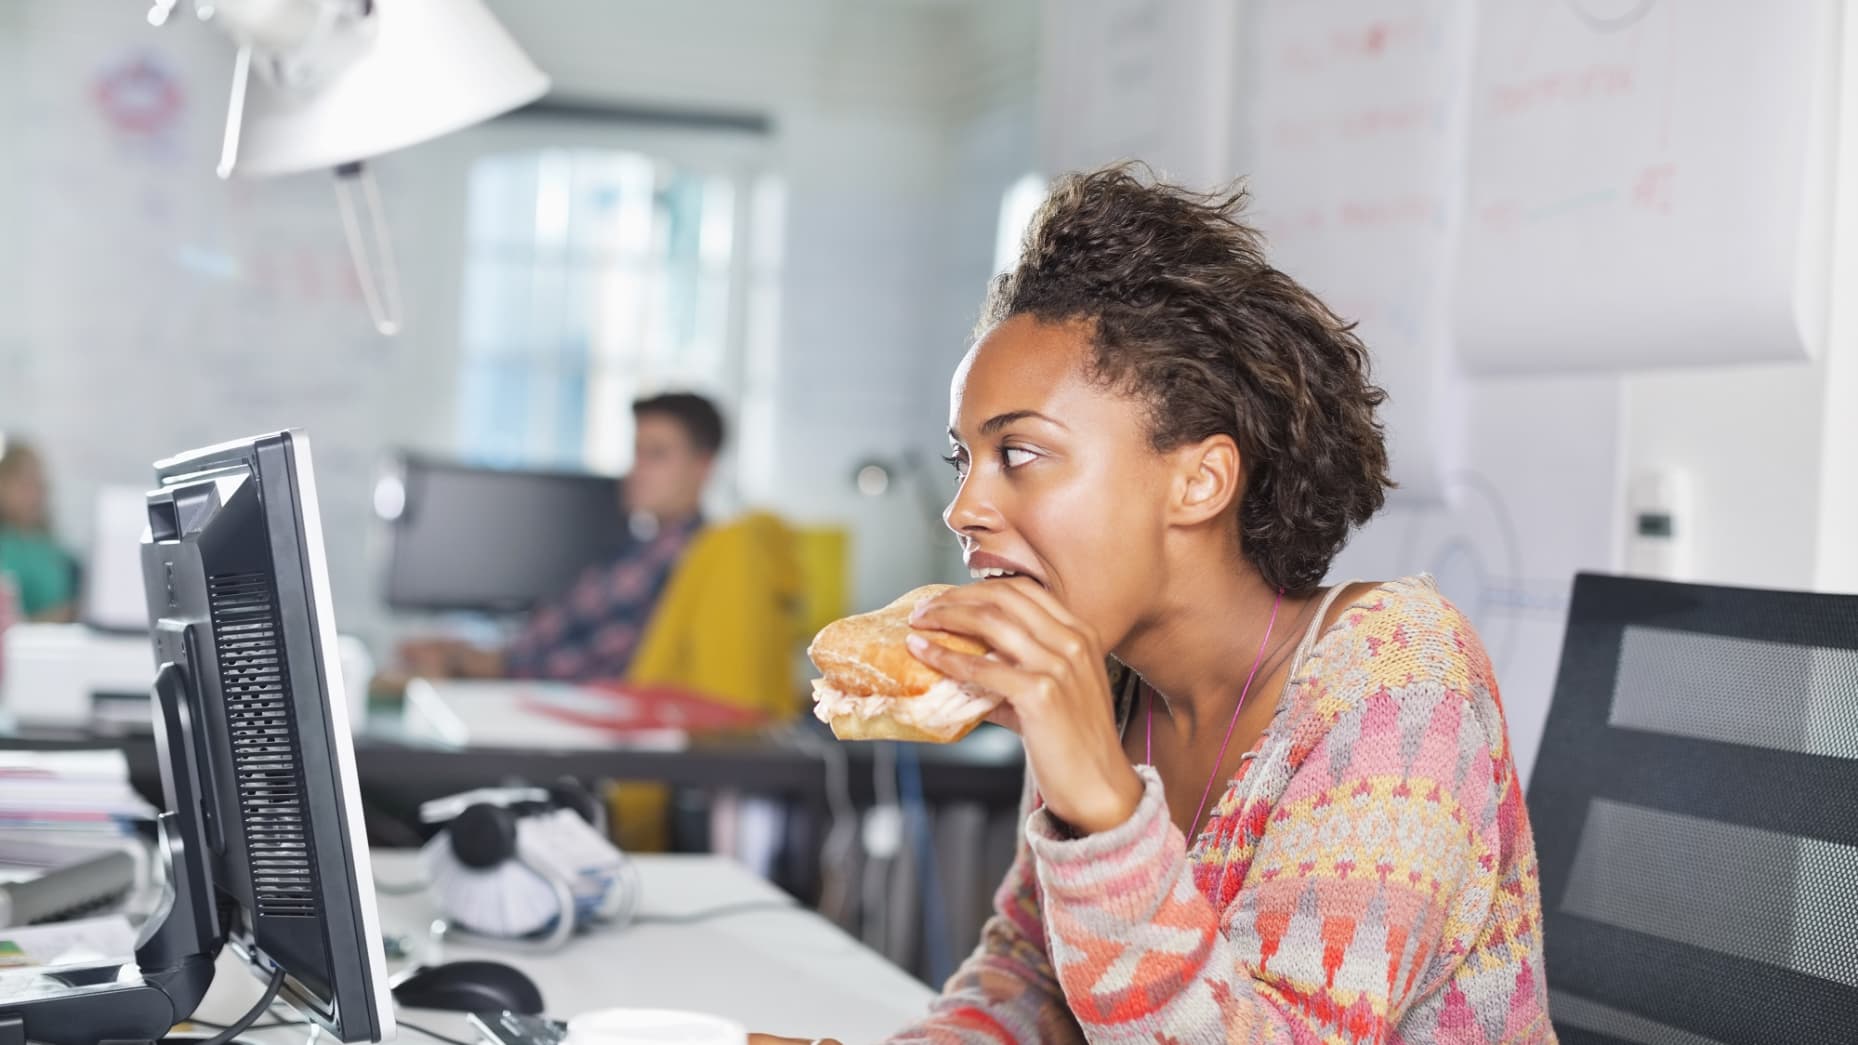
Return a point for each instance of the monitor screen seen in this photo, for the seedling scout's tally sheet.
(471, 538)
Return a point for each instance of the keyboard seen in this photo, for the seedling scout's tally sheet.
(515, 1028)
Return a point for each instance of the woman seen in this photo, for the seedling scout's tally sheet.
(43, 574)
(1290, 813)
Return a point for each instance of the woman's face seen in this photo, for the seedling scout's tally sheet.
(23, 494)
(1058, 481)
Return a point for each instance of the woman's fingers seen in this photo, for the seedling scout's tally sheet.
(999, 629)
(1004, 716)
(1039, 654)
(1016, 618)
(1024, 589)
(1007, 681)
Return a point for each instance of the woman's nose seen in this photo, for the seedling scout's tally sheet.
(971, 513)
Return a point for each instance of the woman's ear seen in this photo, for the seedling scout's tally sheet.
(1208, 476)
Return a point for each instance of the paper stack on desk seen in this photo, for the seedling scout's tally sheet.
(104, 938)
(59, 812)
(56, 807)
(68, 794)
(539, 714)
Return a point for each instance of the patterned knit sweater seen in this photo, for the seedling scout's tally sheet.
(1369, 875)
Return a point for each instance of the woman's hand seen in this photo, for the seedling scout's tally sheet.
(449, 659)
(1048, 667)
(428, 657)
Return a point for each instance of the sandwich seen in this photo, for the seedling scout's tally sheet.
(874, 689)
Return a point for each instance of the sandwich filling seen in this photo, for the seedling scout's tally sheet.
(944, 706)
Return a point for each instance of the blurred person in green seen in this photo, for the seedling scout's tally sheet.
(42, 572)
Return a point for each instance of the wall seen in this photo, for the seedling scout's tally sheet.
(855, 318)
(1838, 471)
(137, 268)
(1749, 438)
(1771, 451)
(12, 216)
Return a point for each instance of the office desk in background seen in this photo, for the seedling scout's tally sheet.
(792, 763)
(784, 971)
(398, 772)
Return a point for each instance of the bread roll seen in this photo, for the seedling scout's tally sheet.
(874, 689)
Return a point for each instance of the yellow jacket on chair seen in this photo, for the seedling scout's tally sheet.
(727, 624)
(725, 628)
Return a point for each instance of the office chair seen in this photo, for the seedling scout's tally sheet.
(1695, 804)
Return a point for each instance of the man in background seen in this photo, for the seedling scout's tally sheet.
(591, 631)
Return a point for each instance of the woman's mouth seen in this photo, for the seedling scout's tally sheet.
(982, 567)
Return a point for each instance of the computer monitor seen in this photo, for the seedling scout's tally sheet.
(463, 537)
(263, 836)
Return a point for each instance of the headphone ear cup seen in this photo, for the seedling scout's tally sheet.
(483, 836)
(568, 793)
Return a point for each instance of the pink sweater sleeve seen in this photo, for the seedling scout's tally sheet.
(1006, 991)
(1367, 879)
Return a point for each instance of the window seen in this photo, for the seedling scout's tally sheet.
(592, 276)
(1017, 206)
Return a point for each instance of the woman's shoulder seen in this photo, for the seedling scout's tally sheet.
(1411, 605)
(1393, 635)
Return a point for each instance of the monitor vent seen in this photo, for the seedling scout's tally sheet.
(264, 750)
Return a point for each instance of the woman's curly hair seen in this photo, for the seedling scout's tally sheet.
(1187, 314)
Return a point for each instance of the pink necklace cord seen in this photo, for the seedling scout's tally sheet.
(1149, 741)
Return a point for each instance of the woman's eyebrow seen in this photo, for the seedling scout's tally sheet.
(999, 421)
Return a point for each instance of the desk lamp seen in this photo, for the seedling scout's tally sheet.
(341, 81)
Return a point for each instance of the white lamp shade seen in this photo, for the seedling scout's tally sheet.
(433, 67)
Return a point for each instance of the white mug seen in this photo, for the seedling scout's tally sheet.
(653, 1027)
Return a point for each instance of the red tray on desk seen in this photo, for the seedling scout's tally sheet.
(619, 707)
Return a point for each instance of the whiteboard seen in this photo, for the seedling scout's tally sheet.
(1357, 132)
(166, 309)
(1648, 184)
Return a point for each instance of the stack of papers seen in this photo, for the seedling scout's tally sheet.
(525, 713)
(56, 809)
(67, 795)
(107, 938)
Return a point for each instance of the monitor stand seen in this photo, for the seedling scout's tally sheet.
(179, 943)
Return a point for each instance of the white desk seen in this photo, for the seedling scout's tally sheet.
(778, 971)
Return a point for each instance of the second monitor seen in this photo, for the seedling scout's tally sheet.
(486, 539)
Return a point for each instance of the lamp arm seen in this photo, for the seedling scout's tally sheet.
(353, 180)
(235, 112)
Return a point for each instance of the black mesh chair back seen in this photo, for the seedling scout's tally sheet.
(1695, 803)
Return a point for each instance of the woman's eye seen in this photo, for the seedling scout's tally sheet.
(959, 462)
(1014, 456)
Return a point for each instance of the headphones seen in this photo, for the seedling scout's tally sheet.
(484, 834)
